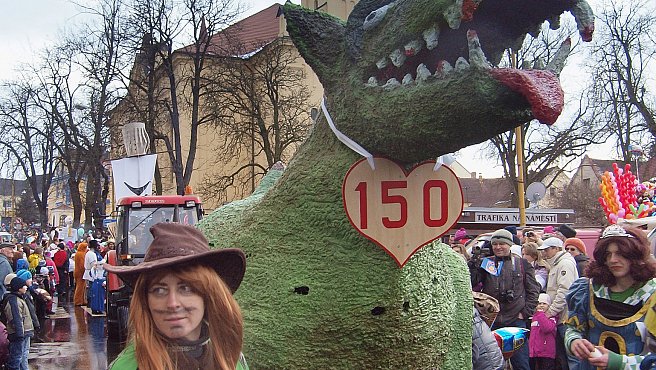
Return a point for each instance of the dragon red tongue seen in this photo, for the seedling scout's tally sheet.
(540, 87)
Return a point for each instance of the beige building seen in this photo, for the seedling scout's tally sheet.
(264, 27)
(338, 8)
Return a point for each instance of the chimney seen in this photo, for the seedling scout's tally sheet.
(473, 174)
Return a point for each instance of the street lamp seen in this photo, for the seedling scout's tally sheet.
(636, 152)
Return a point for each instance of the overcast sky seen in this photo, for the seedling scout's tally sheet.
(26, 26)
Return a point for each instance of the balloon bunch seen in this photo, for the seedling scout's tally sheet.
(619, 194)
(646, 194)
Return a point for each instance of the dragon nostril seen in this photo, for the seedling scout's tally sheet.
(378, 311)
(303, 290)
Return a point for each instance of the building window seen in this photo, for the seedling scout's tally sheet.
(586, 183)
(552, 191)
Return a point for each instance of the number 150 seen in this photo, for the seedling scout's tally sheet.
(386, 198)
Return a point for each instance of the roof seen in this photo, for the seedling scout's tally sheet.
(247, 35)
(18, 187)
(647, 168)
(486, 192)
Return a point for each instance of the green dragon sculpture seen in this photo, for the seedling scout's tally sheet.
(317, 294)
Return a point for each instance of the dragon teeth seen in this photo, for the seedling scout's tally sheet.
(453, 15)
(422, 72)
(412, 48)
(584, 18)
(431, 36)
(407, 79)
(461, 64)
(443, 68)
(476, 56)
(558, 61)
(372, 82)
(391, 84)
(397, 57)
(381, 63)
(554, 23)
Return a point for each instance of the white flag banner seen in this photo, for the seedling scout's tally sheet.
(133, 176)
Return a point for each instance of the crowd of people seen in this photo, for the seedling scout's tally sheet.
(182, 314)
(582, 313)
(34, 274)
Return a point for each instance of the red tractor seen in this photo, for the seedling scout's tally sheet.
(135, 216)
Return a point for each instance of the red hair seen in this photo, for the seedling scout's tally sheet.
(222, 315)
(635, 249)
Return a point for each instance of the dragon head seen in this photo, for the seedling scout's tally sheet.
(412, 79)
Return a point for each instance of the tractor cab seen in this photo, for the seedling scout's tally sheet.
(135, 216)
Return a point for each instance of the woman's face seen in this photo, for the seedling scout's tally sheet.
(528, 257)
(176, 308)
(618, 265)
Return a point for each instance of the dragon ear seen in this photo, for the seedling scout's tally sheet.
(319, 38)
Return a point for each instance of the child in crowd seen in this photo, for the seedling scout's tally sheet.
(20, 327)
(542, 341)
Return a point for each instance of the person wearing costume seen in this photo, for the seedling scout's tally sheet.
(80, 298)
(97, 287)
(607, 309)
(182, 312)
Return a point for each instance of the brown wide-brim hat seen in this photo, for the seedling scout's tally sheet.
(183, 245)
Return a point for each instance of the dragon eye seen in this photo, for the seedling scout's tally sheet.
(374, 18)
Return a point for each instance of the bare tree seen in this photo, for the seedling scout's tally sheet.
(546, 149)
(261, 108)
(583, 200)
(620, 66)
(25, 140)
(77, 86)
(100, 56)
(56, 96)
(171, 78)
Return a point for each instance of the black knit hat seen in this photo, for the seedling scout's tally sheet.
(16, 284)
(567, 231)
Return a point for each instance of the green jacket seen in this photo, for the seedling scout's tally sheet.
(127, 360)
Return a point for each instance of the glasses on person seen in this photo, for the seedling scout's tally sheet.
(570, 249)
(530, 234)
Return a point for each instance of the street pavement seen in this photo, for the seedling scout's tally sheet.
(72, 339)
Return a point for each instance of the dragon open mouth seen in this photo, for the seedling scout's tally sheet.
(419, 63)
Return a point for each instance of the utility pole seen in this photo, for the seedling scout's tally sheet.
(519, 147)
(13, 203)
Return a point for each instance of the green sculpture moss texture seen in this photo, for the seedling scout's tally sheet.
(297, 235)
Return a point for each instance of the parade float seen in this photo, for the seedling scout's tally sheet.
(342, 271)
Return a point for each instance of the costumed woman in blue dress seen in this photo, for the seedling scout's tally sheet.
(608, 308)
(97, 288)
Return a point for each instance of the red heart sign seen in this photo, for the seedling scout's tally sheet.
(401, 210)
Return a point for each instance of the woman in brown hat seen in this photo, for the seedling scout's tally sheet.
(182, 313)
